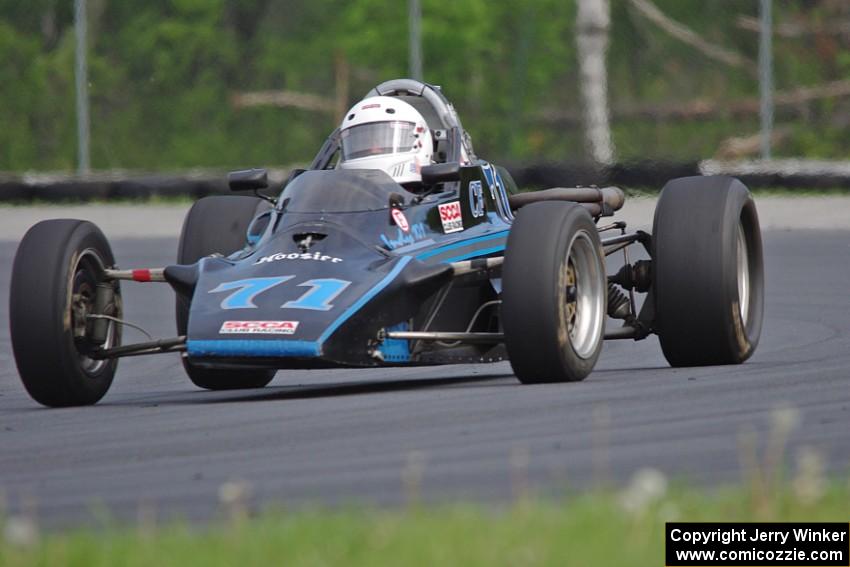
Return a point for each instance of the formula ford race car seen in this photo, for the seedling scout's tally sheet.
(346, 267)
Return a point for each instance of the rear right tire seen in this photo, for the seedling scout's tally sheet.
(217, 224)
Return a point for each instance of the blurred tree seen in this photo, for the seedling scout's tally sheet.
(163, 72)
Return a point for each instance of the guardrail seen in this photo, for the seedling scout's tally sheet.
(120, 184)
(786, 173)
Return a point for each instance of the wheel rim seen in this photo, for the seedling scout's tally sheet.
(585, 292)
(743, 274)
(84, 279)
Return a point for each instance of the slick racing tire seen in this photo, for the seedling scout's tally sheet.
(554, 293)
(57, 277)
(217, 224)
(708, 273)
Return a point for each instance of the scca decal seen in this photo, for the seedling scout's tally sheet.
(258, 327)
(450, 217)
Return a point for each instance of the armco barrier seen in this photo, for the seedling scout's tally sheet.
(643, 174)
(118, 185)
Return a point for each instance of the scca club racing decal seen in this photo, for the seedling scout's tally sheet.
(317, 256)
(400, 220)
(416, 233)
(258, 327)
(476, 199)
(450, 217)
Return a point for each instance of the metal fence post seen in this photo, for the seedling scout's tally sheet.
(766, 76)
(415, 38)
(82, 88)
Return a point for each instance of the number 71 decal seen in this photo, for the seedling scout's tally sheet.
(318, 298)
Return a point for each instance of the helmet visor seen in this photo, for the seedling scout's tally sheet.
(377, 138)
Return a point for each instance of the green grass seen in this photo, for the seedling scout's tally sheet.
(590, 529)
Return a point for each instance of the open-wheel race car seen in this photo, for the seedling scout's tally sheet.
(398, 246)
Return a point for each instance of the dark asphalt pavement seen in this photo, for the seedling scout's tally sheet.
(472, 432)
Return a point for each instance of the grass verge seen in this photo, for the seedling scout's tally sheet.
(599, 528)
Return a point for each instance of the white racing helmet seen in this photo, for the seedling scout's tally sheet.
(386, 133)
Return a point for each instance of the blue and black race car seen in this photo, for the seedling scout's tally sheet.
(350, 267)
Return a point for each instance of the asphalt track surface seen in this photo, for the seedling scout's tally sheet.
(155, 442)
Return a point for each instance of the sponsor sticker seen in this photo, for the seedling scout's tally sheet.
(315, 256)
(450, 217)
(476, 199)
(417, 232)
(400, 220)
(258, 327)
(491, 179)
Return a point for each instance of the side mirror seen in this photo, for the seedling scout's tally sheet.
(440, 173)
(248, 180)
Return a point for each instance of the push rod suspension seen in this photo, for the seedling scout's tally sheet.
(487, 338)
(622, 239)
(176, 344)
(491, 338)
(477, 265)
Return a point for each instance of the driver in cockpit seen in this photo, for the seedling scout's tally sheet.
(386, 133)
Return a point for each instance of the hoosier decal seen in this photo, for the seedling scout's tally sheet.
(450, 217)
(317, 256)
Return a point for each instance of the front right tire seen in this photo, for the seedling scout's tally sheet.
(554, 293)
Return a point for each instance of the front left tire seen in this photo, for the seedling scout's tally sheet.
(217, 224)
